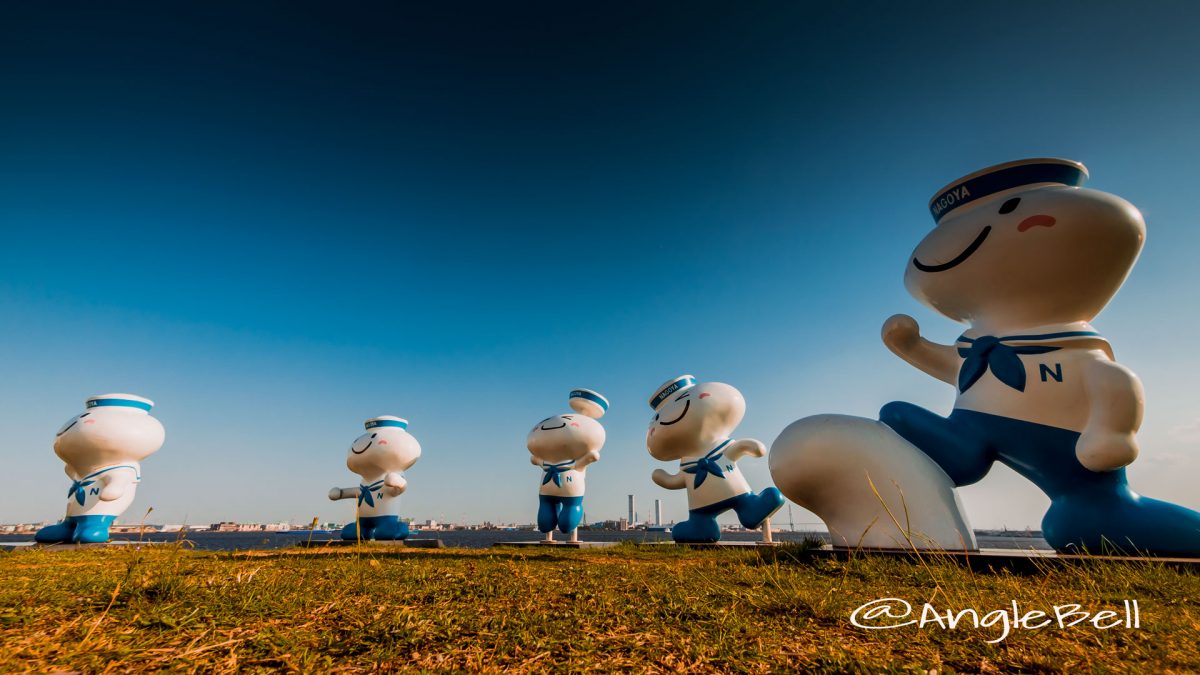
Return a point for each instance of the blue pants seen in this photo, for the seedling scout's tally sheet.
(562, 512)
(752, 509)
(76, 530)
(1092, 511)
(384, 528)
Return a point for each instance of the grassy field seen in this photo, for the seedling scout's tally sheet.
(627, 608)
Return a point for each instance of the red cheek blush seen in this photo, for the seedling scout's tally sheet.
(1036, 221)
(705, 395)
(383, 442)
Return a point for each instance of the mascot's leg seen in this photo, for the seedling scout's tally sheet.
(961, 454)
(570, 515)
(547, 517)
(92, 529)
(391, 528)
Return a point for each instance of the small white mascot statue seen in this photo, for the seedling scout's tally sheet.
(103, 448)
(380, 456)
(562, 447)
(693, 423)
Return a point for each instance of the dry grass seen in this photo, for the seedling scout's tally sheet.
(627, 608)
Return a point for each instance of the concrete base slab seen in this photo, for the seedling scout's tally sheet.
(718, 544)
(992, 559)
(556, 544)
(119, 543)
(406, 543)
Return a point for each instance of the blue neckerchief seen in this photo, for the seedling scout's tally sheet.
(988, 352)
(706, 465)
(77, 487)
(364, 492)
(554, 471)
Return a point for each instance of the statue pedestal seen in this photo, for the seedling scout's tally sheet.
(406, 543)
(556, 544)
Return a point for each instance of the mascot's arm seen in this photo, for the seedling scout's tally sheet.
(671, 481)
(116, 484)
(395, 483)
(1115, 401)
(343, 493)
(902, 335)
(746, 447)
(593, 456)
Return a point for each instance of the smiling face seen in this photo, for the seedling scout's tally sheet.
(382, 450)
(564, 437)
(691, 422)
(106, 436)
(1027, 257)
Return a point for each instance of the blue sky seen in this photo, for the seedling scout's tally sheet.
(279, 220)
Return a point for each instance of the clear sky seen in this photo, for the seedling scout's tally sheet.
(278, 220)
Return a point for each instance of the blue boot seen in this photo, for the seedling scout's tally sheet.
(752, 509)
(389, 528)
(350, 532)
(92, 529)
(59, 533)
(699, 528)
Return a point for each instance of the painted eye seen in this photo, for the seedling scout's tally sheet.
(568, 417)
(374, 435)
(656, 417)
(67, 427)
(683, 395)
(1010, 205)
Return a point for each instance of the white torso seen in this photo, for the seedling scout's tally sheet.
(1054, 393)
(571, 479)
(713, 489)
(382, 502)
(90, 485)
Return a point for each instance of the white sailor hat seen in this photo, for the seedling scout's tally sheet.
(588, 402)
(119, 400)
(386, 421)
(670, 387)
(1001, 177)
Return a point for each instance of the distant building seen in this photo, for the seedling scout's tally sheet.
(658, 513)
(632, 510)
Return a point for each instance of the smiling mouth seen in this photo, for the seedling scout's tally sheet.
(958, 259)
(686, 405)
(359, 452)
(553, 428)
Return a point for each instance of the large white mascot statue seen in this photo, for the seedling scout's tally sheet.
(380, 457)
(692, 424)
(562, 447)
(102, 448)
(1026, 257)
